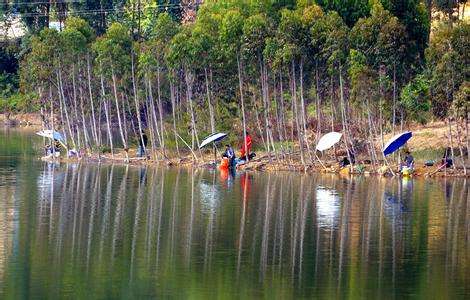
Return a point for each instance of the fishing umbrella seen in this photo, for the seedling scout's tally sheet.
(213, 138)
(396, 142)
(328, 140)
(53, 135)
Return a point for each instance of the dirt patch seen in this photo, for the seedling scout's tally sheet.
(26, 119)
(434, 135)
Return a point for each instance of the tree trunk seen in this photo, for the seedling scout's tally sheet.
(304, 117)
(160, 110)
(106, 111)
(296, 112)
(318, 103)
(173, 111)
(64, 107)
(189, 79)
(240, 85)
(118, 112)
(348, 141)
(209, 103)
(137, 105)
(154, 113)
(92, 104)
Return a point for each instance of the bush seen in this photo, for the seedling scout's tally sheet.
(19, 103)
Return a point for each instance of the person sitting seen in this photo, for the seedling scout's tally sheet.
(446, 161)
(57, 146)
(230, 154)
(246, 147)
(142, 145)
(48, 149)
(408, 161)
(345, 161)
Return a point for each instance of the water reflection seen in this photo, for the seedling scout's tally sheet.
(123, 231)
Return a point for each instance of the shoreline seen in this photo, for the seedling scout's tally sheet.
(263, 162)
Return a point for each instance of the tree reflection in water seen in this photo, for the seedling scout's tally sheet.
(113, 231)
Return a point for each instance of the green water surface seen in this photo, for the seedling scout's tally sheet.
(88, 231)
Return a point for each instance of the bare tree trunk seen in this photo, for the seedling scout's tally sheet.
(189, 78)
(462, 155)
(160, 110)
(106, 111)
(154, 113)
(64, 107)
(268, 110)
(343, 115)
(127, 105)
(52, 114)
(209, 103)
(304, 118)
(240, 85)
(296, 113)
(318, 103)
(85, 132)
(173, 111)
(264, 97)
(451, 139)
(92, 104)
(75, 107)
(137, 106)
(118, 112)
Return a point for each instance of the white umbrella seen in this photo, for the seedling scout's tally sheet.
(212, 139)
(328, 140)
(53, 135)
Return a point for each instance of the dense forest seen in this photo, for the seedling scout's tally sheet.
(286, 71)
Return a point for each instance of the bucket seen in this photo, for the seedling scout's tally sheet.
(405, 171)
(224, 163)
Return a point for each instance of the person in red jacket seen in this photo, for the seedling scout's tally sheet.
(246, 147)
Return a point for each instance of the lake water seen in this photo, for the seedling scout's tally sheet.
(113, 231)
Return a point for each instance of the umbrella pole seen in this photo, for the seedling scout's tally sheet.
(388, 165)
(215, 154)
(321, 163)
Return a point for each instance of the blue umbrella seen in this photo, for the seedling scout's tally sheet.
(396, 142)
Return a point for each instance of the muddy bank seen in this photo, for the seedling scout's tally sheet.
(271, 163)
(32, 120)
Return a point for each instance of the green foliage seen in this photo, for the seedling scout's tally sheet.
(461, 103)
(415, 99)
(381, 37)
(231, 31)
(413, 15)
(363, 79)
(377, 46)
(9, 80)
(80, 25)
(114, 48)
(349, 10)
(255, 31)
(329, 38)
(19, 103)
(448, 62)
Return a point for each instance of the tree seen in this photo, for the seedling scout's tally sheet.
(448, 64)
(350, 10)
(415, 99)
